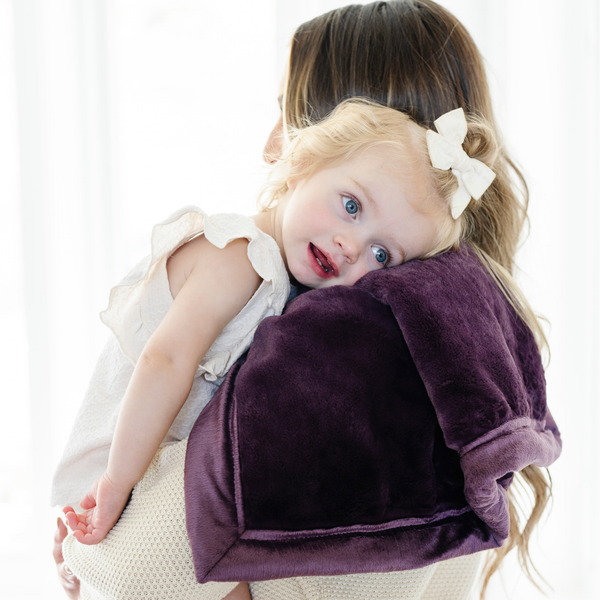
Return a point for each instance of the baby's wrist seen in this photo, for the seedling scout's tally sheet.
(118, 483)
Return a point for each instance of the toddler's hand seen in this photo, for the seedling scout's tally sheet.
(103, 505)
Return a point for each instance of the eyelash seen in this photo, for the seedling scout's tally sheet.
(355, 200)
(390, 257)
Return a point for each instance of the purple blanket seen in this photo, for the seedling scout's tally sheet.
(373, 428)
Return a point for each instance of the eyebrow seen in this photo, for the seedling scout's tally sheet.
(366, 192)
(402, 254)
(372, 202)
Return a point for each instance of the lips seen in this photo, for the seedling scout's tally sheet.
(321, 264)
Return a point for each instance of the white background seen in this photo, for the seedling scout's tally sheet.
(113, 113)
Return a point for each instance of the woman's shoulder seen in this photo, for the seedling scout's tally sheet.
(436, 289)
(455, 277)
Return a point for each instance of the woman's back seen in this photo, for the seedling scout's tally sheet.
(453, 579)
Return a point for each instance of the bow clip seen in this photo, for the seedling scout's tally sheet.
(446, 152)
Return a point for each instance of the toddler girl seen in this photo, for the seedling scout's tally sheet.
(365, 189)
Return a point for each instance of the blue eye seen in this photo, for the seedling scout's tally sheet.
(381, 255)
(351, 206)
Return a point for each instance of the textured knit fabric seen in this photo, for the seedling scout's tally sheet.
(452, 579)
(455, 579)
(147, 555)
(370, 429)
(137, 306)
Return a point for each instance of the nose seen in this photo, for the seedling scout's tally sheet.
(274, 146)
(349, 246)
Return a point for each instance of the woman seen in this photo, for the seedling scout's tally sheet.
(415, 57)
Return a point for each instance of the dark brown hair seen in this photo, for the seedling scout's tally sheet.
(416, 57)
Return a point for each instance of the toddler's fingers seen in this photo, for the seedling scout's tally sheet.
(75, 521)
(79, 536)
(88, 501)
(95, 536)
(72, 518)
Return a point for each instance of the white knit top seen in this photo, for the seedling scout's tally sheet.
(136, 307)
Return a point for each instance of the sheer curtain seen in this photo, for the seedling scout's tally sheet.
(114, 113)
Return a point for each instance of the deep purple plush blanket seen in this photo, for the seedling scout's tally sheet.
(373, 428)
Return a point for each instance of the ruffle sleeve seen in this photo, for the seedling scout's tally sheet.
(125, 315)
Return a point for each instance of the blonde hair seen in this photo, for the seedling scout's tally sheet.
(357, 125)
(416, 57)
(354, 127)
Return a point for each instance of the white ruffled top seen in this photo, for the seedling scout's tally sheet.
(136, 307)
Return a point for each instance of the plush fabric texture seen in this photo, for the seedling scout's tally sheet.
(369, 429)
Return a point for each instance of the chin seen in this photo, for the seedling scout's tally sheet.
(310, 280)
(313, 285)
(302, 278)
(319, 285)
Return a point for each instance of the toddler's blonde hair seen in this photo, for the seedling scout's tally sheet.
(357, 125)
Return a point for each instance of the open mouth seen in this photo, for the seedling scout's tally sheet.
(322, 261)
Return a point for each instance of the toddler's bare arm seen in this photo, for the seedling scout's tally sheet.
(214, 285)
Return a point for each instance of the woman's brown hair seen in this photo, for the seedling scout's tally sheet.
(416, 57)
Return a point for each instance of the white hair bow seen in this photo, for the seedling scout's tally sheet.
(446, 152)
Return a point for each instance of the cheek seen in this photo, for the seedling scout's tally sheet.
(307, 219)
(361, 270)
(295, 228)
(366, 264)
